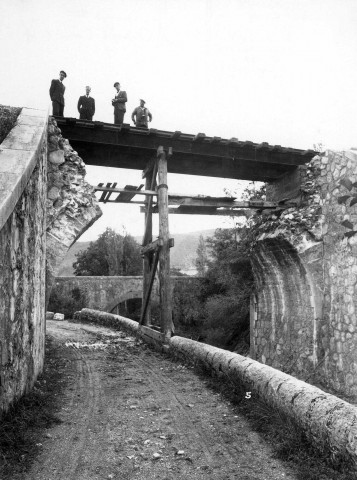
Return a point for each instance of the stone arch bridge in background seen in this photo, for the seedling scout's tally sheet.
(105, 293)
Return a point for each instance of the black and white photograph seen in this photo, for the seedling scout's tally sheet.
(178, 240)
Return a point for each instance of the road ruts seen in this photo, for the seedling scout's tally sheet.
(130, 413)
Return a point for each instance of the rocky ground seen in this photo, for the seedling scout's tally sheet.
(116, 409)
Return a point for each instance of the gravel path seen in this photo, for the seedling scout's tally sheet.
(128, 412)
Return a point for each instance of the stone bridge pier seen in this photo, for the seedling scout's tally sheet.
(303, 312)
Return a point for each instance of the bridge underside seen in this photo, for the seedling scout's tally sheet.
(109, 145)
(157, 152)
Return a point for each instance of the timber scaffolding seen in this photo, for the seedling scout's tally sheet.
(149, 150)
(157, 253)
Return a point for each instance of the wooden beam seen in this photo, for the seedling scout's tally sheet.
(109, 193)
(149, 201)
(130, 192)
(130, 147)
(155, 246)
(104, 194)
(209, 211)
(175, 135)
(143, 317)
(149, 167)
(149, 259)
(151, 247)
(199, 137)
(164, 252)
(100, 188)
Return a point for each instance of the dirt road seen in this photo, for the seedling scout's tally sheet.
(128, 412)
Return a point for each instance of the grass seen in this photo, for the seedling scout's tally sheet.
(8, 117)
(23, 426)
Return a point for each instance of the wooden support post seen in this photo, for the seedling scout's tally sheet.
(164, 252)
(150, 283)
(148, 259)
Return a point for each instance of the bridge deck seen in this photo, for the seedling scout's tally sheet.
(109, 145)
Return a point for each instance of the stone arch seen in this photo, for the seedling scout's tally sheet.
(129, 295)
(287, 307)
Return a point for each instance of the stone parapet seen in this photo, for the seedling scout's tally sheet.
(19, 154)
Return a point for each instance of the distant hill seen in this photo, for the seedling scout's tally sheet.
(66, 269)
(183, 254)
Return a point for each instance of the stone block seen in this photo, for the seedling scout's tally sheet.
(53, 193)
(56, 157)
(58, 316)
(49, 315)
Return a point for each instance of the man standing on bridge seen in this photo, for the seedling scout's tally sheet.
(142, 114)
(57, 95)
(118, 103)
(86, 106)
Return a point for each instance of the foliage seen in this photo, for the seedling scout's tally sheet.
(253, 193)
(110, 254)
(61, 301)
(202, 258)
(187, 311)
(217, 311)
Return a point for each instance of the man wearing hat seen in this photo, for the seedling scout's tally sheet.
(57, 95)
(142, 115)
(86, 106)
(118, 103)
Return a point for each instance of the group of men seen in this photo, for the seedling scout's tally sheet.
(86, 104)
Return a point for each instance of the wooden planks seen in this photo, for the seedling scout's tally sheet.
(129, 194)
(195, 154)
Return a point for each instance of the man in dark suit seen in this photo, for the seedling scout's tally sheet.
(57, 95)
(118, 103)
(86, 106)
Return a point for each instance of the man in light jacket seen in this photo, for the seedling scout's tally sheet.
(141, 115)
(118, 103)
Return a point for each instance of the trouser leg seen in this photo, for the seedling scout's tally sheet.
(56, 109)
(118, 117)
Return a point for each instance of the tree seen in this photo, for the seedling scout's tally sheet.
(202, 259)
(110, 254)
(223, 312)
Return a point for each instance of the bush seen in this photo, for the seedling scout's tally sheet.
(67, 303)
(226, 318)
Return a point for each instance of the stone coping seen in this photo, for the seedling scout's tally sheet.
(18, 157)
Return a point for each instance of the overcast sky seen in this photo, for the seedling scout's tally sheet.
(281, 71)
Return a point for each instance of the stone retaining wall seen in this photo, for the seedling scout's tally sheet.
(23, 173)
(329, 423)
(45, 205)
(303, 317)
